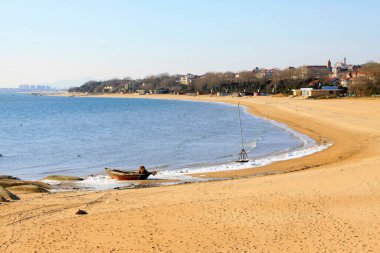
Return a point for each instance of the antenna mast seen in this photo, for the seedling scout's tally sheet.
(241, 130)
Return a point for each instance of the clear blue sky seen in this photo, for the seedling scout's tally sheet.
(44, 41)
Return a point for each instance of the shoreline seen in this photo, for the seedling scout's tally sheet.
(199, 174)
(251, 109)
(330, 201)
(202, 172)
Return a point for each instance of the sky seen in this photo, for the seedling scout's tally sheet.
(67, 42)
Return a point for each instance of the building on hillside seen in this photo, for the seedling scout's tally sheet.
(359, 73)
(342, 69)
(316, 71)
(263, 73)
(186, 79)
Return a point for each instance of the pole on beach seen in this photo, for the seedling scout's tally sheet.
(243, 157)
(241, 130)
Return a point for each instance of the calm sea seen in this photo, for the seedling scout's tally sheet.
(41, 135)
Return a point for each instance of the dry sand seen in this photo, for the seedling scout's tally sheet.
(331, 204)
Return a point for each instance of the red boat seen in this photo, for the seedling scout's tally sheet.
(128, 175)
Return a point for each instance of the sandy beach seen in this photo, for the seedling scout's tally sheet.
(325, 202)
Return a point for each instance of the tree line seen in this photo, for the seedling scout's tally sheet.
(364, 82)
(367, 80)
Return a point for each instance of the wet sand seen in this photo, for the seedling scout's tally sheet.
(330, 202)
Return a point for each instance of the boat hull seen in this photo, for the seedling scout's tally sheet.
(126, 175)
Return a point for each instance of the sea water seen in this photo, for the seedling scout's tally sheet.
(79, 136)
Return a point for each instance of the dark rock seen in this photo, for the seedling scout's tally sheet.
(27, 189)
(81, 212)
(62, 178)
(13, 182)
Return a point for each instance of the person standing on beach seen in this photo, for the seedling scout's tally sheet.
(142, 170)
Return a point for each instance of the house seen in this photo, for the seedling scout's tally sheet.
(187, 79)
(263, 73)
(333, 81)
(297, 92)
(108, 89)
(141, 92)
(329, 91)
(326, 91)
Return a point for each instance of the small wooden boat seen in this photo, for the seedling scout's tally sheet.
(127, 175)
